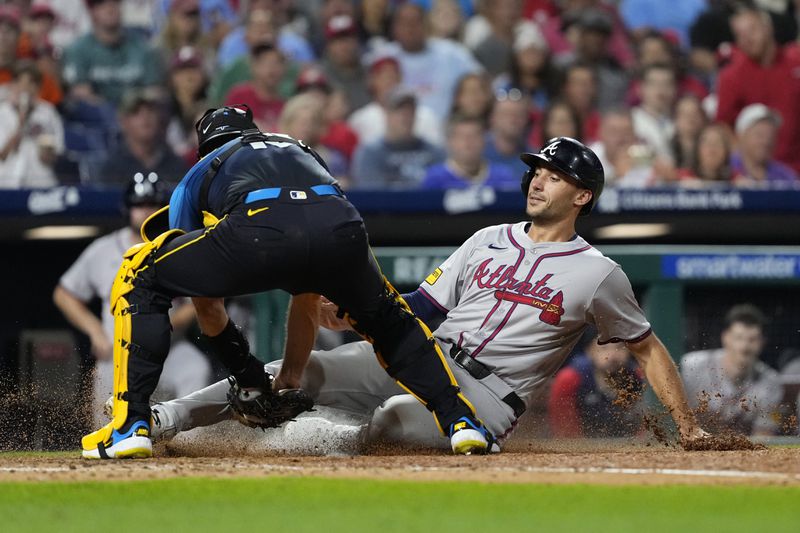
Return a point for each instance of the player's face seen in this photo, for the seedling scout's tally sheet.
(742, 344)
(138, 214)
(552, 196)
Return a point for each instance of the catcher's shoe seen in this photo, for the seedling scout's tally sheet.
(131, 442)
(162, 421)
(264, 408)
(468, 436)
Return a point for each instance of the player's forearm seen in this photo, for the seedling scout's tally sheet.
(662, 374)
(77, 313)
(301, 325)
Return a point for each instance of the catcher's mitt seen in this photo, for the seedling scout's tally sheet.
(265, 408)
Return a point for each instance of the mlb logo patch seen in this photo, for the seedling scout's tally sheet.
(298, 195)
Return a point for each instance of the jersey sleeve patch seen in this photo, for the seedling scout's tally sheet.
(431, 279)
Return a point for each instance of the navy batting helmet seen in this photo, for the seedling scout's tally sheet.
(218, 126)
(146, 190)
(570, 157)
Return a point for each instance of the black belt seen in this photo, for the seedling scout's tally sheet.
(478, 370)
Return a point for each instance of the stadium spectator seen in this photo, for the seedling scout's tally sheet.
(183, 28)
(580, 92)
(761, 71)
(35, 41)
(317, 17)
(652, 120)
(101, 65)
(399, 158)
(50, 90)
(341, 60)
(598, 394)
(90, 277)
(338, 136)
(554, 17)
(709, 34)
(655, 48)
(446, 20)
(262, 24)
(375, 18)
(473, 96)
(590, 30)
(465, 165)
(729, 387)
(508, 129)
(431, 67)
(143, 148)
(531, 70)
(756, 133)
(32, 135)
(626, 161)
(369, 122)
(216, 19)
(675, 16)
(494, 45)
(559, 120)
(711, 159)
(72, 20)
(303, 117)
(260, 27)
(267, 65)
(187, 83)
(689, 121)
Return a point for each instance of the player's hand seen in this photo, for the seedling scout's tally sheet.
(102, 347)
(328, 318)
(283, 381)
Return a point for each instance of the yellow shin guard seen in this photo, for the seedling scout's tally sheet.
(132, 264)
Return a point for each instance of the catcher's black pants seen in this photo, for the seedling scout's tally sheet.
(312, 245)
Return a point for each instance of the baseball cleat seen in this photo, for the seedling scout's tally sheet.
(162, 424)
(134, 443)
(468, 436)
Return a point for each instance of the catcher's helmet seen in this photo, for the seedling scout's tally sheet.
(570, 157)
(218, 126)
(146, 190)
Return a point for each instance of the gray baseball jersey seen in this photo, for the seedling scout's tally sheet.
(748, 406)
(92, 274)
(519, 307)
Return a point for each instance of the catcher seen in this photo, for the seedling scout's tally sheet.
(260, 211)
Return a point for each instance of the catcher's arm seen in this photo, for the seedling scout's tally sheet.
(663, 376)
(301, 326)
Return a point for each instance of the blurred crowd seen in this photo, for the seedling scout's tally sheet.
(599, 391)
(406, 94)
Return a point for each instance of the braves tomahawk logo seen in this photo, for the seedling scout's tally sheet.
(506, 287)
(551, 148)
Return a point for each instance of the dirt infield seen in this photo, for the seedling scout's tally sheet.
(531, 462)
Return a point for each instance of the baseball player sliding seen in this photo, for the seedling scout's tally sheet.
(507, 307)
(261, 211)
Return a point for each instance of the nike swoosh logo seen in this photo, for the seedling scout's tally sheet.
(251, 212)
(493, 247)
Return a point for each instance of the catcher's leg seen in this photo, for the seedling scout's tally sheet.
(403, 343)
(141, 342)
